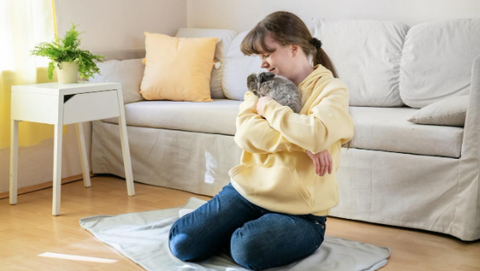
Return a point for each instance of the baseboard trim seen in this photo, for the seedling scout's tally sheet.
(41, 186)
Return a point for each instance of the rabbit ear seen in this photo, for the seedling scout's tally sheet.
(265, 76)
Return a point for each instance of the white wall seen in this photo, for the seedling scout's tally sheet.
(119, 24)
(244, 15)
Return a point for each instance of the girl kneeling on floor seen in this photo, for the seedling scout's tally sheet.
(274, 210)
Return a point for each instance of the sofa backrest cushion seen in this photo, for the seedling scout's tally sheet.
(118, 54)
(437, 60)
(366, 55)
(225, 38)
(128, 72)
(237, 68)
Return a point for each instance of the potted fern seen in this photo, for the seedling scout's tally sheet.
(69, 61)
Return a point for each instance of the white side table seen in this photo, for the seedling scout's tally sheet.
(62, 104)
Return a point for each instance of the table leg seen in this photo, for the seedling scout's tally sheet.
(57, 168)
(83, 154)
(126, 155)
(13, 161)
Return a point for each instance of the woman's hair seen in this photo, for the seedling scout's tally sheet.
(285, 28)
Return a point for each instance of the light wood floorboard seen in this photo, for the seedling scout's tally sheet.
(28, 230)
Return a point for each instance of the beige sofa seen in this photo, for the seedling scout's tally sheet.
(396, 172)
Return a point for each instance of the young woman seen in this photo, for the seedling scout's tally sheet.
(273, 212)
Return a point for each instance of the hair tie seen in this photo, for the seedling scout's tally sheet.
(317, 43)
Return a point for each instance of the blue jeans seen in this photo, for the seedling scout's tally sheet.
(254, 237)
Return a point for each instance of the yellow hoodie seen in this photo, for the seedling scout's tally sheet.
(275, 171)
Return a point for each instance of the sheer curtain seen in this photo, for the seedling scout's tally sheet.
(23, 24)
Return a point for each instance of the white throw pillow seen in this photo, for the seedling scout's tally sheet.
(128, 72)
(237, 68)
(450, 112)
(437, 60)
(225, 37)
(366, 55)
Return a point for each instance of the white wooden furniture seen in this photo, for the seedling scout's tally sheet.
(62, 104)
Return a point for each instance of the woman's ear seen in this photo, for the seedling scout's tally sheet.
(293, 49)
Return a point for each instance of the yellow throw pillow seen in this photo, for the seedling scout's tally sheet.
(177, 69)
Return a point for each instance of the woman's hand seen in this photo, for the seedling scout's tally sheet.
(322, 161)
(261, 104)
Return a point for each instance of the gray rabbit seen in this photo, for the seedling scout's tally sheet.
(281, 89)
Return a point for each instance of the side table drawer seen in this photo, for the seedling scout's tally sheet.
(90, 106)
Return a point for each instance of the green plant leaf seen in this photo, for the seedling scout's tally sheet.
(67, 50)
(50, 70)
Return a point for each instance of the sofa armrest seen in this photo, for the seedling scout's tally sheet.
(467, 202)
(471, 134)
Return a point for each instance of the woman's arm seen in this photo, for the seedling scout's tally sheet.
(328, 123)
(254, 133)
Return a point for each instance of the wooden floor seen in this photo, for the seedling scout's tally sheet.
(29, 233)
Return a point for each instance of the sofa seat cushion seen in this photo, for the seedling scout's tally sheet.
(376, 128)
(217, 117)
(388, 129)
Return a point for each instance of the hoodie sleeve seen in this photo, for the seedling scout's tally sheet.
(254, 133)
(328, 122)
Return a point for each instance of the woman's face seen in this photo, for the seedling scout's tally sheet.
(281, 61)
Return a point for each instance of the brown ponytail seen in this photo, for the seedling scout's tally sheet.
(286, 28)
(320, 57)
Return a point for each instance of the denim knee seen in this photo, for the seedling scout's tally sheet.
(178, 244)
(245, 250)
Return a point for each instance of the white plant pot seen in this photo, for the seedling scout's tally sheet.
(68, 73)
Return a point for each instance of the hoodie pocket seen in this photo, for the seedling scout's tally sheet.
(301, 187)
(276, 188)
